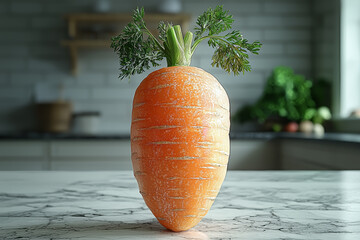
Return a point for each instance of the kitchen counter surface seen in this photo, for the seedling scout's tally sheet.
(251, 205)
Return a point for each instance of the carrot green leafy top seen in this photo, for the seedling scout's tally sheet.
(139, 49)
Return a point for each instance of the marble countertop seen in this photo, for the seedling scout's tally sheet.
(251, 205)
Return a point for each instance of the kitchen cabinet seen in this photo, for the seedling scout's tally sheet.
(65, 155)
(319, 155)
(253, 154)
(23, 155)
(90, 155)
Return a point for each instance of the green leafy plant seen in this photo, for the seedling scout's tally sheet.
(318, 115)
(286, 96)
(139, 49)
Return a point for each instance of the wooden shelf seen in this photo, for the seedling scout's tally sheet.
(76, 40)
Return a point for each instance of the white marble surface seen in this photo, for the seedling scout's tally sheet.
(251, 205)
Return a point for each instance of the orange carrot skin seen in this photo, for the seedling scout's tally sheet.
(180, 143)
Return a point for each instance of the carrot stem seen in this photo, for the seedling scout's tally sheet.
(178, 47)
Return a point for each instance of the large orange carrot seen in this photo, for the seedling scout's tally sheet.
(180, 143)
(180, 119)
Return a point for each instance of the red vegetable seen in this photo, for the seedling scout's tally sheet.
(291, 127)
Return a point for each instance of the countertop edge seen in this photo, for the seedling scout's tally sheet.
(328, 137)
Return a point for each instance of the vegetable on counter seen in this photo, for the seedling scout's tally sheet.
(180, 119)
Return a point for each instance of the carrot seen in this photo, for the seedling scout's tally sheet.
(180, 145)
(180, 119)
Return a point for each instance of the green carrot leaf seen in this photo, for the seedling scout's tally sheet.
(139, 50)
(213, 21)
(136, 53)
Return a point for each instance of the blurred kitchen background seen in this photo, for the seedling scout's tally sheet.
(62, 106)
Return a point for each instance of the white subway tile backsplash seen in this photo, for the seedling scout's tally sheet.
(12, 36)
(324, 62)
(112, 79)
(106, 108)
(325, 35)
(105, 53)
(329, 20)
(298, 49)
(26, 7)
(4, 7)
(9, 106)
(4, 79)
(262, 21)
(269, 63)
(120, 124)
(249, 79)
(16, 114)
(15, 93)
(287, 7)
(246, 7)
(234, 6)
(53, 38)
(104, 64)
(108, 93)
(48, 22)
(203, 50)
(325, 73)
(272, 49)
(54, 77)
(12, 64)
(47, 64)
(26, 79)
(304, 21)
(205, 64)
(51, 50)
(298, 35)
(243, 94)
(325, 6)
(252, 34)
(132, 82)
(277, 21)
(76, 93)
(91, 79)
(240, 22)
(325, 49)
(13, 50)
(326, 45)
(68, 6)
(12, 22)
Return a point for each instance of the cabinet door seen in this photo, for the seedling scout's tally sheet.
(90, 155)
(253, 155)
(300, 154)
(294, 163)
(23, 155)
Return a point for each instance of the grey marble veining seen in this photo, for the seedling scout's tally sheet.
(251, 205)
